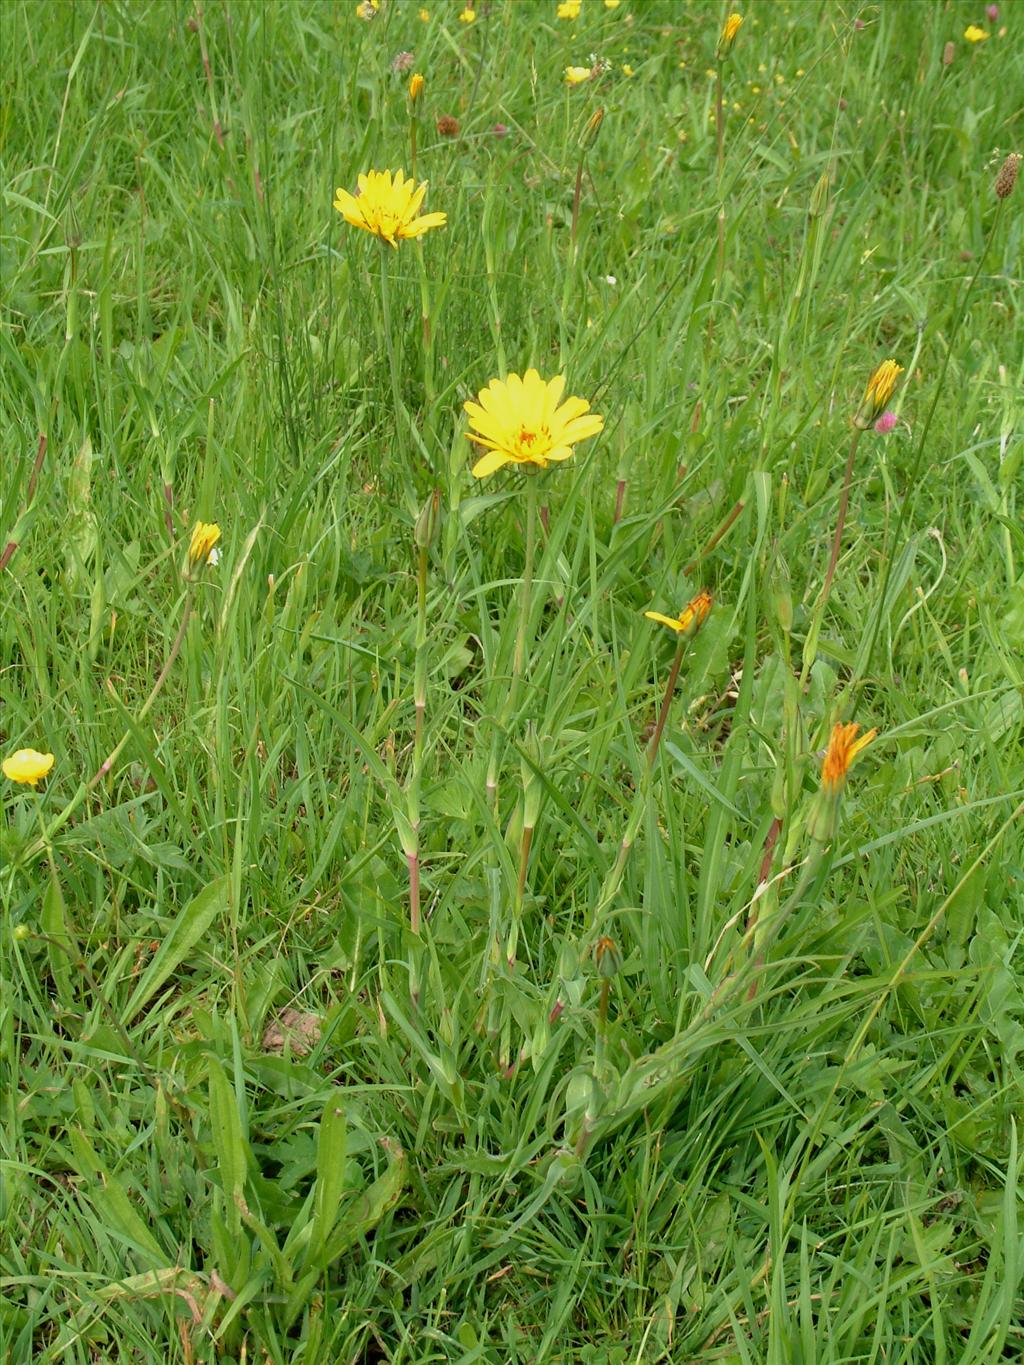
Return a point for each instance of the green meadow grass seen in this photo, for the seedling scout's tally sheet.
(248, 1115)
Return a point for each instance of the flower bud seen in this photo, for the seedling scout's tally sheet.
(428, 521)
(881, 387)
(819, 197)
(415, 86)
(607, 957)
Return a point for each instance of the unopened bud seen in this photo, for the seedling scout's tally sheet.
(428, 521)
(20, 932)
(819, 197)
(536, 750)
(880, 389)
(782, 597)
(607, 957)
(415, 86)
(592, 129)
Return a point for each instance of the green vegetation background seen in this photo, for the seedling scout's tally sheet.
(229, 1130)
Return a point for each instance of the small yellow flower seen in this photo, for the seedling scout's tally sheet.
(523, 421)
(612, 4)
(205, 535)
(425, 16)
(729, 31)
(569, 9)
(690, 619)
(576, 75)
(27, 766)
(974, 34)
(627, 70)
(387, 208)
(367, 9)
(880, 389)
(468, 16)
(415, 86)
(843, 748)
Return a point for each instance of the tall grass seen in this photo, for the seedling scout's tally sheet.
(256, 1107)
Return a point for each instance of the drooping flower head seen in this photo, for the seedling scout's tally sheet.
(523, 421)
(205, 535)
(974, 34)
(27, 766)
(690, 619)
(387, 207)
(881, 387)
(843, 748)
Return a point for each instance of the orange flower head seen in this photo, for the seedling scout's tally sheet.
(690, 619)
(843, 748)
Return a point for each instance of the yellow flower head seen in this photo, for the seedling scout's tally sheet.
(729, 31)
(627, 70)
(28, 766)
(843, 748)
(612, 4)
(520, 421)
(468, 16)
(425, 16)
(569, 9)
(880, 389)
(367, 9)
(974, 34)
(205, 535)
(690, 619)
(415, 86)
(387, 207)
(576, 75)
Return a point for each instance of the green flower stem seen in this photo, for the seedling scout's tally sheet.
(613, 880)
(389, 344)
(420, 702)
(811, 643)
(522, 639)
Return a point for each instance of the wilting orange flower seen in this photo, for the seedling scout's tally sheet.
(205, 535)
(387, 208)
(690, 619)
(843, 748)
(880, 389)
(522, 421)
(729, 31)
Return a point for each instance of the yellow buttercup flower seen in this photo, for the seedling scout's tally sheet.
(468, 16)
(843, 748)
(522, 421)
(205, 535)
(569, 9)
(974, 34)
(612, 4)
(416, 84)
(367, 9)
(690, 619)
(425, 16)
(880, 389)
(729, 30)
(627, 70)
(387, 207)
(576, 75)
(27, 766)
